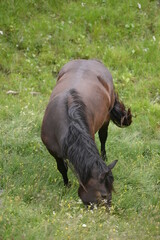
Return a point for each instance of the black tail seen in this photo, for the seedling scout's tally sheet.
(119, 115)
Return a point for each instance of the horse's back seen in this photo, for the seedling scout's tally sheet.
(89, 69)
(94, 83)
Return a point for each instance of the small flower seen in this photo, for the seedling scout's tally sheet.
(139, 5)
(84, 225)
(54, 213)
(1, 32)
(82, 4)
(154, 38)
(145, 49)
(79, 201)
(127, 25)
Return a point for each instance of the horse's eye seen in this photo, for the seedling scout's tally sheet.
(111, 179)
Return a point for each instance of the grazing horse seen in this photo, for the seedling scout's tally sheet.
(82, 103)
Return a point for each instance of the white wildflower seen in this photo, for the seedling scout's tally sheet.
(154, 38)
(82, 4)
(54, 213)
(79, 201)
(95, 206)
(145, 49)
(139, 5)
(1, 32)
(127, 25)
(84, 225)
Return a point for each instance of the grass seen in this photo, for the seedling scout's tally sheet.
(36, 39)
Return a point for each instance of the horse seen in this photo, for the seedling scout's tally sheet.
(83, 102)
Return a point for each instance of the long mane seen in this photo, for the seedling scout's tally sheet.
(78, 146)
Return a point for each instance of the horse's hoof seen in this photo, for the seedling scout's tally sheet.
(68, 185)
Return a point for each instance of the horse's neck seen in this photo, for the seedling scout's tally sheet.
(81, 151)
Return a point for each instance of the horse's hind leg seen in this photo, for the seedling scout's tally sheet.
(103, 134)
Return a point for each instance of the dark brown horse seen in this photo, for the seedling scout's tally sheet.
(82, 103)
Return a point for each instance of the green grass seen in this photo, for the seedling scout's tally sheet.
(37, 39)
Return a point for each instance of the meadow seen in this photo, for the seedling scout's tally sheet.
(37, 37)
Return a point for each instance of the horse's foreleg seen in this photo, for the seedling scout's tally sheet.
(63, 168)
(103, 133)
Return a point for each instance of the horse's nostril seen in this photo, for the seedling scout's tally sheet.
(104, 196)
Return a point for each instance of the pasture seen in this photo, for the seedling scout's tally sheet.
(37, 38)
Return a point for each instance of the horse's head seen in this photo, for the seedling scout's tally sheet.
(98, 189)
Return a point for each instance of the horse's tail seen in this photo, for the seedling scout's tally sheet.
(119, 115)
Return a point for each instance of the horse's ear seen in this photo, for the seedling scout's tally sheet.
(111, 165)
(103, 175)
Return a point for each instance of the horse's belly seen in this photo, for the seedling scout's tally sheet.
(100, 117)
(98, 109)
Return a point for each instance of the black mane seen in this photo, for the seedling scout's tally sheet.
(78, 145)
